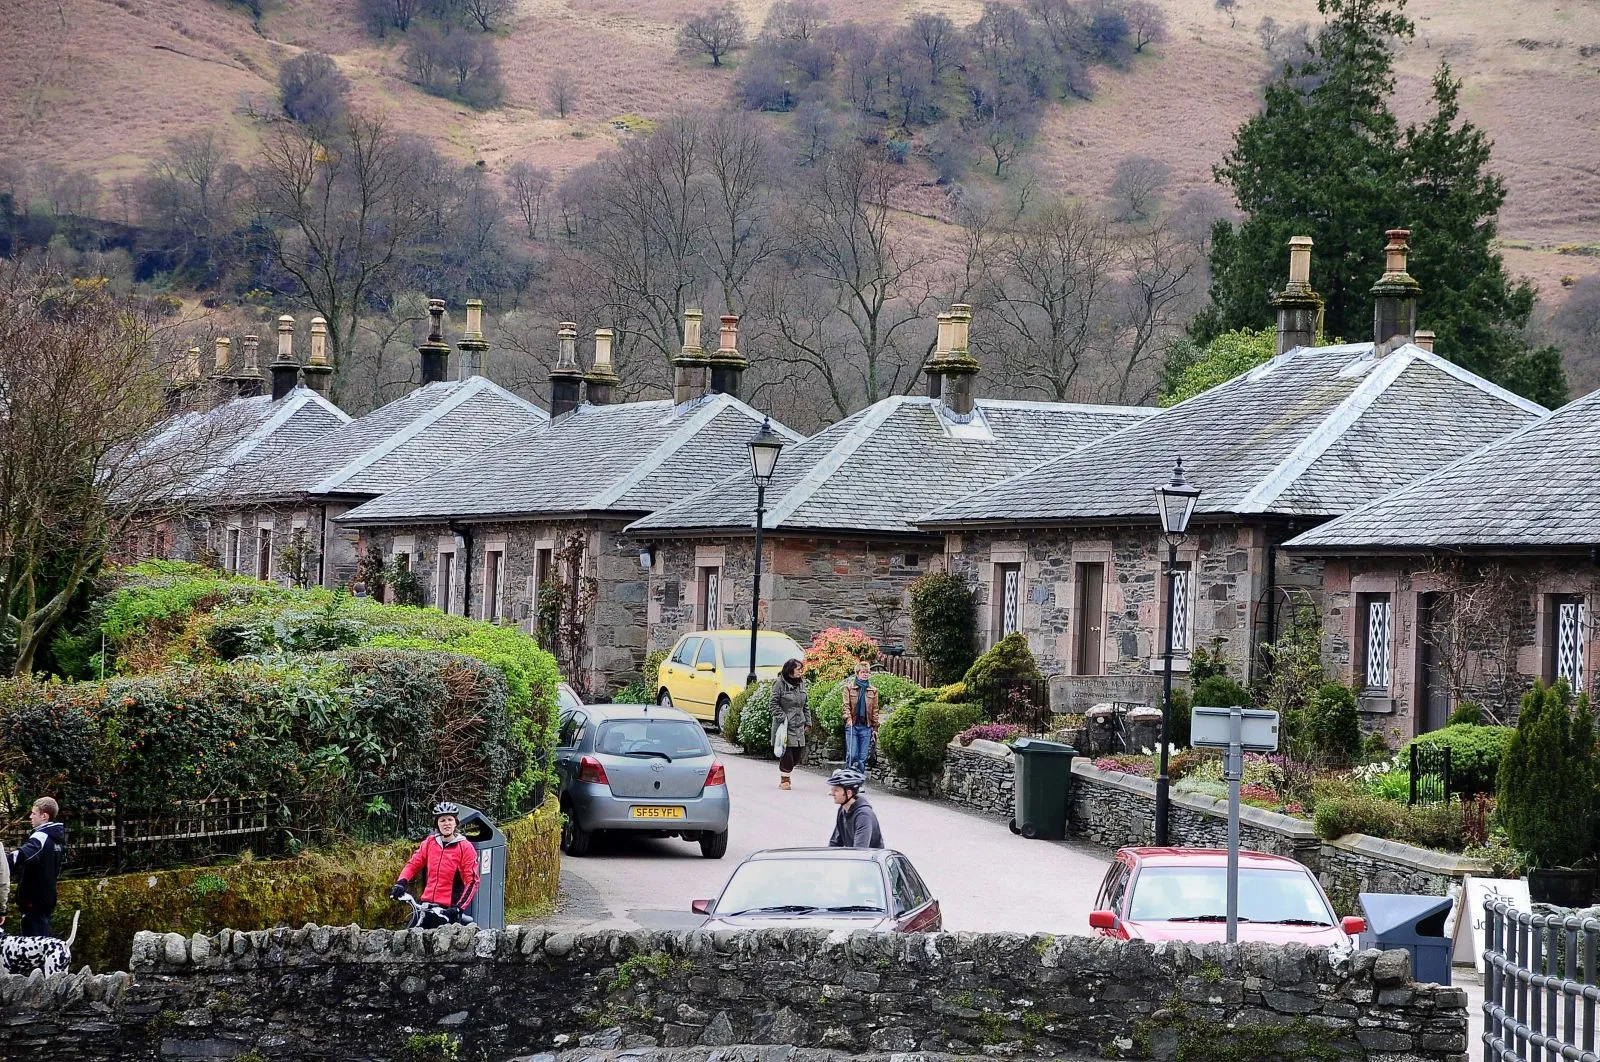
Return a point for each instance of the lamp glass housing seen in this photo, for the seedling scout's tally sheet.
(1176, 501)
(764, 449)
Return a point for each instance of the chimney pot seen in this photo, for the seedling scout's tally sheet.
(601, 380)
(727, 364)
(1300, 259)
(1299, 308)
(689, 367)
(472, 350)
(318, 373)
(1394, 297)
(566, 379)
(286, 338)
(1425, 340)
(475, 317)
(248, 379)
(952, 370)
(224, 356)
(434, 352)
(1396, 249)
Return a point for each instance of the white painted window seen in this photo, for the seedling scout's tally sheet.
(710, 599)
(1571, 640)
(264, 552)
(1377, 638)
(444, 596)
(1008, 579)
(230, 556)
(1182, 588)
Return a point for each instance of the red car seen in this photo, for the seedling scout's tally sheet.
(1182, 894)
(827, 888)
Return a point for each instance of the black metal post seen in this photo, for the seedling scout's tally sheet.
(755, 590)
(1166, 696)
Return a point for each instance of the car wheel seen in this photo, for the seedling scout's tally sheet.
(575, 840)
(714, 845)
(723, 704)
(664, 699)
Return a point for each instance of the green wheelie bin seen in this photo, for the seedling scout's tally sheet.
(1044, 782)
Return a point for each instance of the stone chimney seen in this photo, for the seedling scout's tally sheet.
(689, 367)
(223, 383)
(1299, 308)
(248, 376)
(472, 352)
(952, 370)
(285, 370)
(318, 373)
(1424, 340)
(566, 379)
(727, 364)
(434, 352)
(180, 389)
(601, 381)
(1394, 297)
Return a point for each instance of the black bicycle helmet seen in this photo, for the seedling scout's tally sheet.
(446, 807)
(845, 778)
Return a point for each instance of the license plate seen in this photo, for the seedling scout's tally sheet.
(655, 811)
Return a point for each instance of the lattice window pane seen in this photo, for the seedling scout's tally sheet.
(713, 605)
(1378, 639)
(1011, 612)
(1182, 609)
(1571, 638)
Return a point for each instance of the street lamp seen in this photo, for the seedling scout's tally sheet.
(1176, 502)
(765, 446)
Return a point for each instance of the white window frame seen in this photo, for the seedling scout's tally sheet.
(234, 539)
(1571, 641)
(1009, 598)
(1181, 586)
(708, 588)
(1377, 634)
(445, 582)
(494, 592)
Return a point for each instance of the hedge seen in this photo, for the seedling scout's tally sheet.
(337, 886)
(1475, 754)
(916, 735)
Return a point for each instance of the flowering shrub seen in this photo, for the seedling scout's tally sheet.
(1127, 763)
(834, 653)
(1002, 732)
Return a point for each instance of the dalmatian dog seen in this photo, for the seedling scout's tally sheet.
(23, 955)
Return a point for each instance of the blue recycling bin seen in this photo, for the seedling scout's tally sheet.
(488, 907)
(1414, 924)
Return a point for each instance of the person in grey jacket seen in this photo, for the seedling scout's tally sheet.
(856, 824)
(789, 709)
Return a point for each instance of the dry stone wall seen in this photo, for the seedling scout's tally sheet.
(350, 994)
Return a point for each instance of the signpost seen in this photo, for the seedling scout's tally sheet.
(1236, 730)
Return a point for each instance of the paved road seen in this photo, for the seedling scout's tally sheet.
(984, 877)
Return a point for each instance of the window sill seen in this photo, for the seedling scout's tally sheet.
(1180, 663)
(1376, 702)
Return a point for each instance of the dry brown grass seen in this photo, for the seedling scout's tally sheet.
(100, 84)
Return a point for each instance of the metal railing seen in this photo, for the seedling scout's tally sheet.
(1020, 701)
(1430, 774)
(1540, 985)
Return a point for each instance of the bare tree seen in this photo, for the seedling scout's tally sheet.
(1575, 326)
(1147, 23)
(312, 88)
(938, 42)
(1269, 32)
(562, 92)
(1164, 268)
(338, 211)
(529, 186)
(76, 195)
(714, 33)
(83, 382)
(487, 12)
(1231, 9)
(1136, 186)
(739, 232)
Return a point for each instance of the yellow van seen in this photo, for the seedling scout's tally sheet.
(705, 669)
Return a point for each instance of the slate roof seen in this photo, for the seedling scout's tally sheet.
(627, 458)
(878, 470)
(1315, 432)
(208, 447)
(1536, 489)
(398, 443)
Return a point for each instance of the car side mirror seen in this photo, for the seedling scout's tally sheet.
(1102, 920)
(705, 667)
(701, 907)
(1353, 925)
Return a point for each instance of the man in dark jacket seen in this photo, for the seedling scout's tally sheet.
(856, 825)
(35, 865)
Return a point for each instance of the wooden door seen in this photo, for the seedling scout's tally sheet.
(1090, 619)
(1434, 693)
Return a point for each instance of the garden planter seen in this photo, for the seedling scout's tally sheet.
(1561, 887)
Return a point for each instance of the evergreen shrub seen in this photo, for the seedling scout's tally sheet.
(944, 629)
(1546, 781)
(1475, 754)
(1009, 660)
(1333, 725)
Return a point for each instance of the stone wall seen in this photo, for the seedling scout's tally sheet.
(345, 993)
(807, 585)
(981, 776)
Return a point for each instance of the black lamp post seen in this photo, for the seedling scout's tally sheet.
(1176, 502)
(764, 449)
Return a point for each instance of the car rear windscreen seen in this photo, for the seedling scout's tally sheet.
(770, 652)
(676, 738)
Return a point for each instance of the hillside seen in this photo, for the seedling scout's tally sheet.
(101, 84)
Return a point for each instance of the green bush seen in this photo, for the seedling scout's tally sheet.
(643, 689)
(1467, 713)
(1333, 726)
(943, 626)
(755, 719)
(1475, 754)
(1009, 660)
(1426, 825)
(829, 706)
(1546, 782)
(1179, 718)
(916, 734)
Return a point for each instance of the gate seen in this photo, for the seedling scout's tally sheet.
(1540, 985)
(1430, 774)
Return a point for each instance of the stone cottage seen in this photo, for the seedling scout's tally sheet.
(275, 519)
(841, 543)
(1469, 583)
(1071, 553)
(530, 531)
(221, 429)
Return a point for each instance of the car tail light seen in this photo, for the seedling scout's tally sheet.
(592, 770)
(716, 776)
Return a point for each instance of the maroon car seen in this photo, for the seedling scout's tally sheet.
(1181, 894)
(827, 888)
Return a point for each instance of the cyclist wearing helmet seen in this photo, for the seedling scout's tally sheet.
(448, 861)
(857, 824)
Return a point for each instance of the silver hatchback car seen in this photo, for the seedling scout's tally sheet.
(639, 768)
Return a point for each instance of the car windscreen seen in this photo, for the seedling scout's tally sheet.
(1200, 894)
(770, 652)
(672, 738)
(804, 886)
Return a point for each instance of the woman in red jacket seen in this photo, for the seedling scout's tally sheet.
(448, 861)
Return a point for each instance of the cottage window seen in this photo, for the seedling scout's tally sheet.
(230, 556)
(1377, 637)
(1569, 639)
(1008, 592)
(710, 608)
(494, 579)
(264, 553)
(444, 596)
(1182, 588)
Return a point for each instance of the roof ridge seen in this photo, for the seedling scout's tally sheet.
(266, 428)
(1469, 377)
(1332, 428)
(395, 439)
(872, 418)
(658, 455)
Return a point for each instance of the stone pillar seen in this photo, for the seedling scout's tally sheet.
(285, 370)
(933, 368)
(1299, 308)
(566, 379)
(960, 367)
(434, 352)
(601, 381)
(248, 377)
(727, 364)
(318, 373)
(1394, 297)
